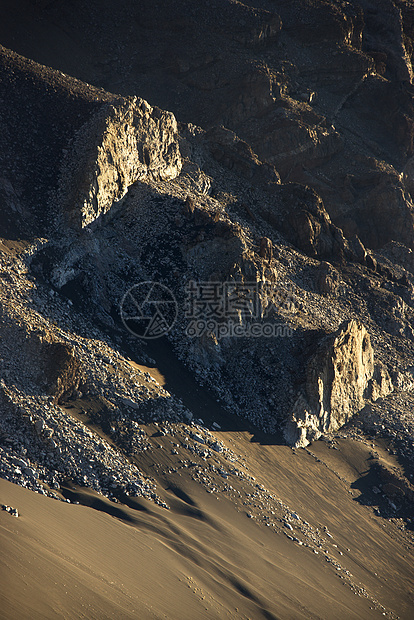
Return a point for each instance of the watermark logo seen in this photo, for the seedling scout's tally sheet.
(220, 309)
(149, 310)
(229, 329)
(236, 309)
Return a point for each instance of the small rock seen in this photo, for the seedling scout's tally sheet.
(39, 426)
(197, 438)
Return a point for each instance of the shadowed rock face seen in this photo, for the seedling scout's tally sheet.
(299, 214)
(320, 90)
(41, 110)
(238, 156)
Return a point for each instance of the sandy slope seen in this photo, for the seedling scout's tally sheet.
(204, 558)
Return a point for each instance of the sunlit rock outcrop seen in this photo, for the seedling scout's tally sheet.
(118, 146)
(337, 379)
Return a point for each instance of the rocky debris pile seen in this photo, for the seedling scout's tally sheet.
(12, 511)
(46, 368)
(43, 445)
(202, 240)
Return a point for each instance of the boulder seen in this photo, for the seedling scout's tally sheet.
(266, 248)
(328, 279)
(62, 370)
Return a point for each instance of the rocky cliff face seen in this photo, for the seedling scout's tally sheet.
(320, 90)
(118, 146)
(338, 384)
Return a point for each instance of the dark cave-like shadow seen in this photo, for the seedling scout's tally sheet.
(203, 404)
